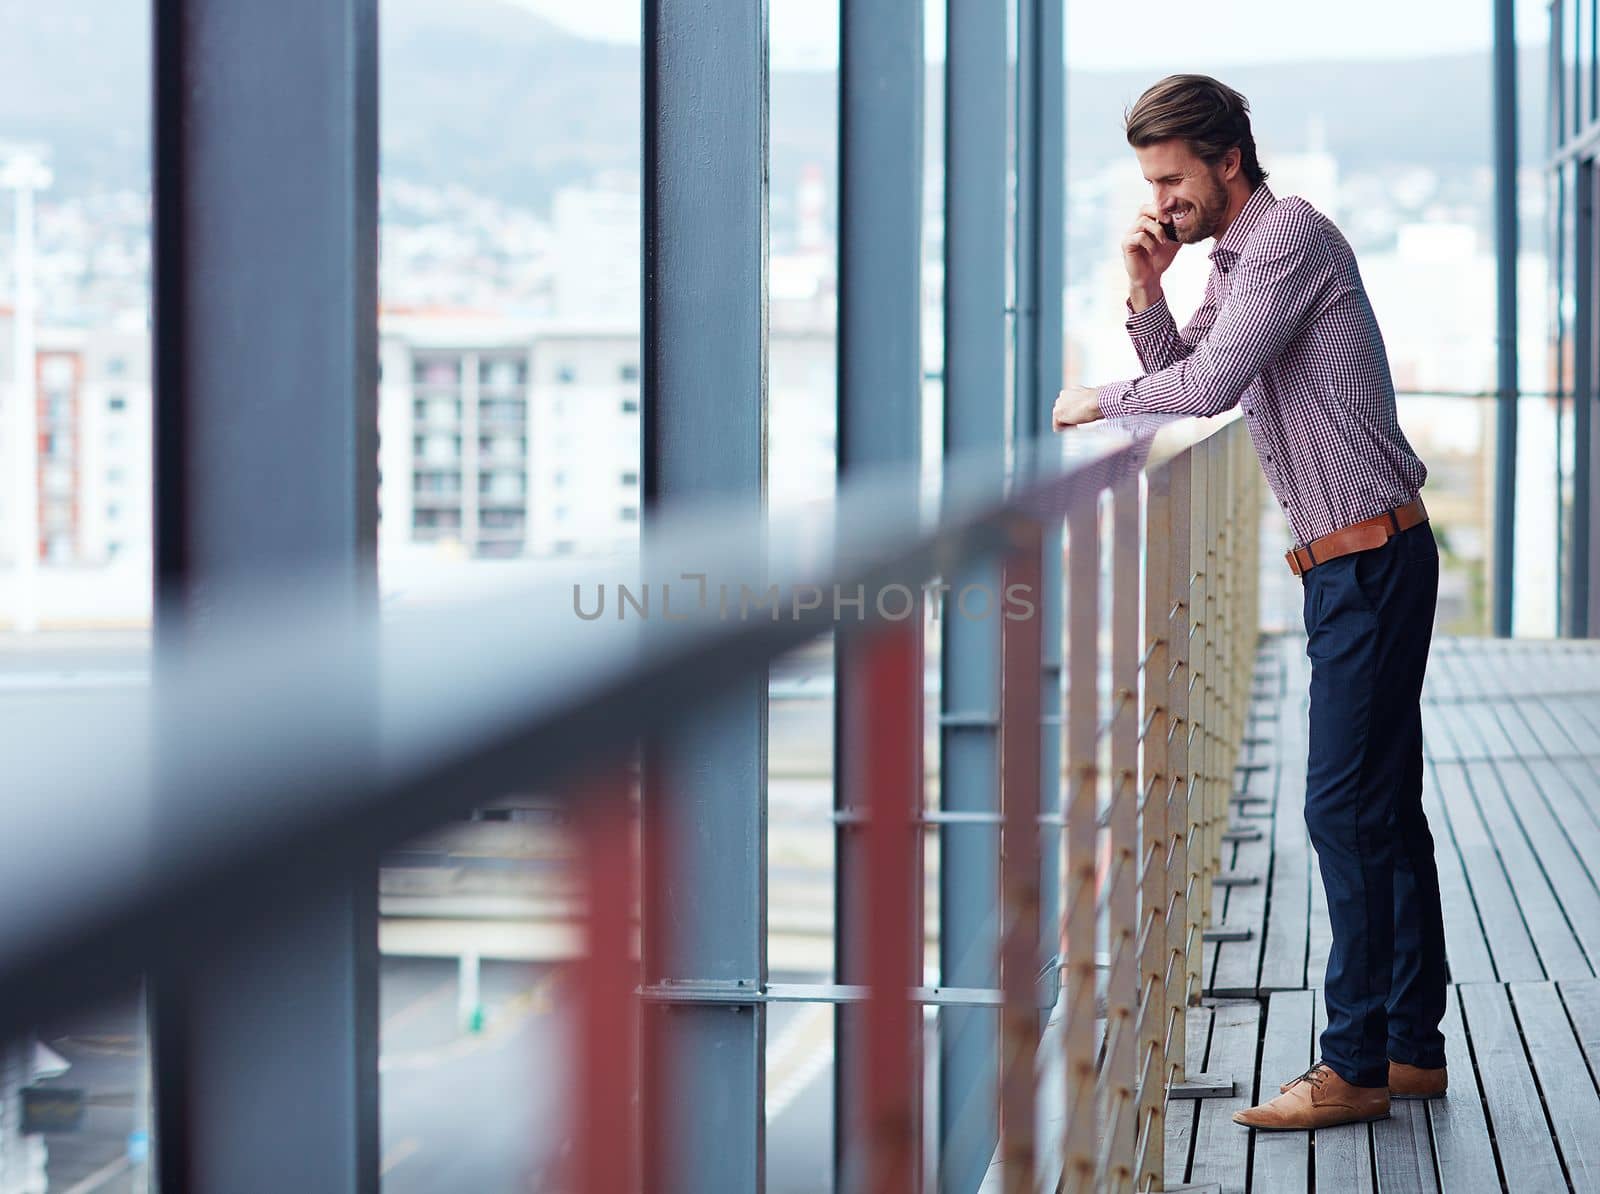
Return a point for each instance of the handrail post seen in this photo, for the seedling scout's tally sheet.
(1220, 675)
(607, 1008)
(883, 1154)
(1119, 1113)
(1022, 654)
(1155, 884)
(1181, 482)
(1083, 705)
(1199, 728)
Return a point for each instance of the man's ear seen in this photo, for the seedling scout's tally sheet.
(1231, 163)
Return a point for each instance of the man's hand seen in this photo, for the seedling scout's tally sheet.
(1075, 406)
(1146, 254)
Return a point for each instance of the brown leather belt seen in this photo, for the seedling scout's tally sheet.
(1360, 536)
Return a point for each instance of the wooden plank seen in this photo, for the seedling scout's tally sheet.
(1465, 949)
(1554, 742)
(1221, 1147)
(1181, 1113)
(1559, 951)
(1538, 798)
(1403, 1150)
(1582, 1000)
(1480, 717)
(1460, 1132)
(1575, 715)
(1521, 1133)
(1283, 1159)
(1454, 728)
(1341, 1157)
(1583, 777)
(1569, 1095)
(1319, 928)
(1237, 964)
(1440, 682)
(1503, 927)
(1284, 940)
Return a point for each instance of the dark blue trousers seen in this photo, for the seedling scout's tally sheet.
(1369, 621)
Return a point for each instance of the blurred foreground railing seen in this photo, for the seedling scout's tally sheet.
(298, 741)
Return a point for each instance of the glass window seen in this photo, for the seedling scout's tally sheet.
(436, 371)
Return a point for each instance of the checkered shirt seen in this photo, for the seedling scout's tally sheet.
(1286, 331)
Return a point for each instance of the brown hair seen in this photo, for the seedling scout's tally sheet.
(1211, 116)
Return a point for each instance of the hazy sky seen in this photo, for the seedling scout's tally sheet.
(1223, 33)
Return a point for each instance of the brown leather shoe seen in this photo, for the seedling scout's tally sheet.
(1409, 1082)
(1414, 1082)
(1318, 1098)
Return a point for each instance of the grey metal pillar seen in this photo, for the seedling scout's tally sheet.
(1040, 274)
(879, 423)
(1583, 349)
(704, 432)
(265, 141)
(1505, 223)
(974, 420)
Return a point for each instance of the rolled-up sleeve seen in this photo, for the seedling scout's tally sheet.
(1278, 285)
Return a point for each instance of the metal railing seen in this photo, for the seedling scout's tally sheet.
(334, 736)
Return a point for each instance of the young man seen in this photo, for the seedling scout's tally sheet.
(1286, 332)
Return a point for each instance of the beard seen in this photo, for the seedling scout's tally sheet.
(1207, 213)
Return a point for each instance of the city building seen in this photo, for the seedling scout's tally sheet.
(92, 404)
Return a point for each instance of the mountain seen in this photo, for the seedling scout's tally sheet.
(1434, 111)
(487, 95)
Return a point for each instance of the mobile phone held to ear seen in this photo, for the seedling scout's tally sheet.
(1171, 231)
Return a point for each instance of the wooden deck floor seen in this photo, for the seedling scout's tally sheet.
(1513, 797)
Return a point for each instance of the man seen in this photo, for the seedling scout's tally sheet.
(1286, 332)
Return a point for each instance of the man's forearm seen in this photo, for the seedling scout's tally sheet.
(1141, 298)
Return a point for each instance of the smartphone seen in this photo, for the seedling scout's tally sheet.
(1171, 230)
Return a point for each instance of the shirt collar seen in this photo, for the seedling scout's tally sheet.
(1231, 242)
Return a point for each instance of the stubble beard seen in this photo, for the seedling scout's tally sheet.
(1207, 215)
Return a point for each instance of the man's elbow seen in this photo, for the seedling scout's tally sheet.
(1216, 399)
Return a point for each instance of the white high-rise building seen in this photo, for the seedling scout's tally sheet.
(454, 435)
(92, 403)
(596, 255)
(585, 459)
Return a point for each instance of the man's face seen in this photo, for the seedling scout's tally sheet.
(1192, 196)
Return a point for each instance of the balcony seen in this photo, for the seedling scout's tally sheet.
(1066, 917)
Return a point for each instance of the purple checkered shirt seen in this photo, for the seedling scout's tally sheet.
(1286, 331)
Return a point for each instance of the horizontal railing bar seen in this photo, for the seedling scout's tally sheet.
(737, 993)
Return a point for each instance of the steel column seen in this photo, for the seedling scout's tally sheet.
(704, 428)
(879, 423)
(265, 146)
(1040, 282)
(1505, 225)
(1585, 339)
(974, 421)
